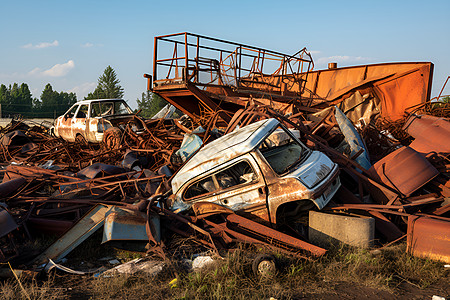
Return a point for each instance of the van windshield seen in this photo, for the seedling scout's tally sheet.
(282, 151)
(108, 108)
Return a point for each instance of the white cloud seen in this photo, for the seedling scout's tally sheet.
(314, 52)
(84, 89)
(59, 70)
(35, 71)
(41, 45)
(87, 45)
(342, 59)
(35, 92)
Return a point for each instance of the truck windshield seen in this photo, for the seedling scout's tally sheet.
(108, 108)
(120, 108)
(281, 151)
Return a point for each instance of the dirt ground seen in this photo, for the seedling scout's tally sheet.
(324, 290)
(405, 290)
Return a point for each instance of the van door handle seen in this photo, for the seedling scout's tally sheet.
(261, 190)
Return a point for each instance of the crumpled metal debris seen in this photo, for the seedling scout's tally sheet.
(52, 186)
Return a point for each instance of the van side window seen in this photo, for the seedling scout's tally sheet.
(200, 188)
(82, 112)
(237, 174)
(120, 108)
(106, 108)
(71, 112)
(95, 110)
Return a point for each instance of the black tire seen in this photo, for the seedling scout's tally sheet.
(264, 265)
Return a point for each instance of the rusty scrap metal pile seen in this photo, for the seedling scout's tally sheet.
(375, 122)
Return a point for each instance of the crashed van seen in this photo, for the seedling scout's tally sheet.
(261, 171)
(88, 120)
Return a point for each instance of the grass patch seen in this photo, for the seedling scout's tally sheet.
(32, 289)
(232, 278)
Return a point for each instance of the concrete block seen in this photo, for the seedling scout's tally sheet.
(326, 229)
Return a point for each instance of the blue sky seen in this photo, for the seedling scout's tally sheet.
(69, 43)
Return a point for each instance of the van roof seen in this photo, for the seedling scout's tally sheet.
(232, 145)
(96, 100)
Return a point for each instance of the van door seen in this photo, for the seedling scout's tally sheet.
(79, 122)
(242, 188)
(64, 125)
(239, 186)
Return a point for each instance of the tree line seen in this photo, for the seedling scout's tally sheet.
(17, 99)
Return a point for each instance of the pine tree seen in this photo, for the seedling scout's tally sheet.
(150, 104)
(108, 86)
(54, 104)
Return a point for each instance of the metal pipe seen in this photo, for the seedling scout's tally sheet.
(155, 59)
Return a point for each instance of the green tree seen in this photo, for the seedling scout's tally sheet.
(54, 104)
(16, 100)
(5, 99)
(108, 86)
(48, 101)
(37, 106)
(14, 105)
(150, 104)
(3, 94)
(23, 100)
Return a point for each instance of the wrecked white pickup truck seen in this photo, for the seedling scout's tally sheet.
(261, 171)
(93, 120)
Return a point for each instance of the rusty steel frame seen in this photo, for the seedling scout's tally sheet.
(226, 228)
(228, 56)
(442, 89)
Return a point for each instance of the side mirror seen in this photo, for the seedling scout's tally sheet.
(66, 116)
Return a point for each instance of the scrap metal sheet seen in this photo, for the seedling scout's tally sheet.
(428, 237)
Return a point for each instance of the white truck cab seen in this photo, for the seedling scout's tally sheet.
(261, 170)
(89, 119)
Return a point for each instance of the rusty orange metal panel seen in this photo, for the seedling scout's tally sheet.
(432, 134)
(404, 90)
(405, 170)
(407, 84)
(337, 79)
(429, 237)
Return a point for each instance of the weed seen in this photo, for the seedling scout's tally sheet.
(232, 277)
(11, 289)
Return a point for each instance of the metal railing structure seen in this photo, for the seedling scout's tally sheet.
(204, 61)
